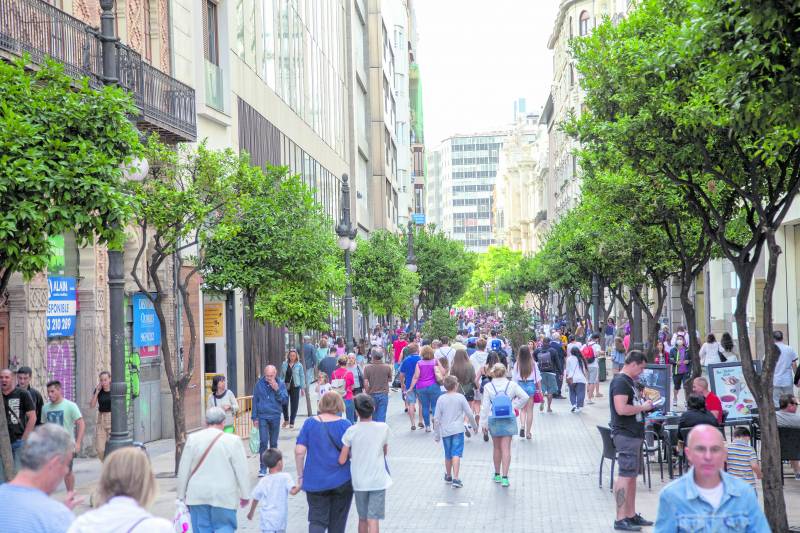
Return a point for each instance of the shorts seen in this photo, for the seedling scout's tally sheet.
(371, 504)
(594, 373)
(680, 379)
(502, 426)
(453, 446)
(629, 455)
(411, 396)
(549, 384)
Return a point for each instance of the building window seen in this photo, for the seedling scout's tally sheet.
(583, 24)
(211, 32)
(570, 28)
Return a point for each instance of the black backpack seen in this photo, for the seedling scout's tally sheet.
(546, 360)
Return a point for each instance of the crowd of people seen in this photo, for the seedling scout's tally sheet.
(474, 385)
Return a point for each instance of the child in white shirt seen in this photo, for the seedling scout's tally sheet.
(274, 489)
(322, 384)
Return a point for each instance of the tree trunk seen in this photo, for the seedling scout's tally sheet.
(5, 440)
(690, 314)
(770, 444)
(179, 421)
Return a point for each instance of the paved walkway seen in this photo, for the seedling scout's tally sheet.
(553, 480)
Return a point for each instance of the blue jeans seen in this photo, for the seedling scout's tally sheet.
(577, 393)
(208, 519)
(428, 397)
(350, 411)
(267, 436)
(381, 400)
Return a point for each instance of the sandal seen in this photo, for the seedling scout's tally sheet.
(529, 436)
(413, 428)
(420, 425)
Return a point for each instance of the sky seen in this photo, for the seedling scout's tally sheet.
(477, 57)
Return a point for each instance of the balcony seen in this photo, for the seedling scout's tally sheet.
(34, 27)
(214, 94)
(541, 216)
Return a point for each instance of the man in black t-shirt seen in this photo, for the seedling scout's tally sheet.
(20, 412)
(24, 374)
(627, 431)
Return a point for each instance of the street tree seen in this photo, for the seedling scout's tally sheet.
(381, 282)
(529, 280)
(62, 149)
(705, 92)
(444, 267)
(279, 250)
(185, 197)
(490, 268)
(440, 324)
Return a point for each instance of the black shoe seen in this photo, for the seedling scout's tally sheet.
(521, 432)
(637, 520)
(485, 437)
(626, 525)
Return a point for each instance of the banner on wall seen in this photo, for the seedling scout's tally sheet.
(61, 306)
(146, 327)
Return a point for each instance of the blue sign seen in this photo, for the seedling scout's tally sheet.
(146, 327)
(62, 307)
(419, 219)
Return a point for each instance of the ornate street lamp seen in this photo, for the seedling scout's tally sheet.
(347, 242)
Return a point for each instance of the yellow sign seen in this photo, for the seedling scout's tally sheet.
(209, 379)
(212, 319)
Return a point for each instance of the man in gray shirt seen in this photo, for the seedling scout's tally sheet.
(448, 423)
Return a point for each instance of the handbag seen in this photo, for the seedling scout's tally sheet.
(182, 523)
(722, 357)
(255, 440)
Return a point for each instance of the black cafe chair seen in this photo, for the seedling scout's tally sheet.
(790, 445)
(609, 452)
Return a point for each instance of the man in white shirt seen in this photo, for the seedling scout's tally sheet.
(212, 473)
(478, 357)
(784, 369)
(445, 350)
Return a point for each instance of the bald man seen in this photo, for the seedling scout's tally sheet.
(269, 397)
(707, 498)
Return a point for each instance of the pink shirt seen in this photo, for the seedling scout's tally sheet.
(349, 380)
(427, 373)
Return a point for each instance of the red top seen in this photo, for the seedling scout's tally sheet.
(398, 346)
(713, 404)
(349, 380)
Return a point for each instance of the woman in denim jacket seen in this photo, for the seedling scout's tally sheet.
(295, 379)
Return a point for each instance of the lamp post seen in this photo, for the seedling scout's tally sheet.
(411, 265)
(347, 242)
(120, 436)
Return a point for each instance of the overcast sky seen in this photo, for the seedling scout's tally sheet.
(477, 57)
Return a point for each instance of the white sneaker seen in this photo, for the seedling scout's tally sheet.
(578, 409)
(573, 409)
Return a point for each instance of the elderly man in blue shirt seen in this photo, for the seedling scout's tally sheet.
(707, 498)
(269, 397)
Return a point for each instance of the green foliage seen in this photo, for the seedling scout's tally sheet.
(381, 281)
(440, 324)
(62, 145)
(517, 325)
(529, 278)
(491, 267)
(279, 249)
(444, 268)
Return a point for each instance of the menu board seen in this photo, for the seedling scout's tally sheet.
(656, 381)
(727, 382)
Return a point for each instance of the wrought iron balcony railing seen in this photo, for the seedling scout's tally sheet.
(541, 216)
(41, 30)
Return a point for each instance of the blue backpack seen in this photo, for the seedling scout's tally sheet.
(497, 344)
(501, 404)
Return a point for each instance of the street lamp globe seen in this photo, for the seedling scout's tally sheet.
(412, 267)
(136, 170)
(353, 245)
(344, 242)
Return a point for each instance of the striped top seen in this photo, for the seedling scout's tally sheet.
(740, 458)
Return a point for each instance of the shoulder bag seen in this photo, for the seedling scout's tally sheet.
(203, 458)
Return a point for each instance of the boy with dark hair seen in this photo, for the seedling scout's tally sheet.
(367, 443)
(742, 459)
(24, 374)
(448, 424)
(274, 490)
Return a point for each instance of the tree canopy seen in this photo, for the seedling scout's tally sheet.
(490, 268)
(444, 268)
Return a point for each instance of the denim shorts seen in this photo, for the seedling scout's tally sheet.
(453, 446)
(371, 504)
(502, 426)
(411, 396)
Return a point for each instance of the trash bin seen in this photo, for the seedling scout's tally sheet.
(602, 373)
